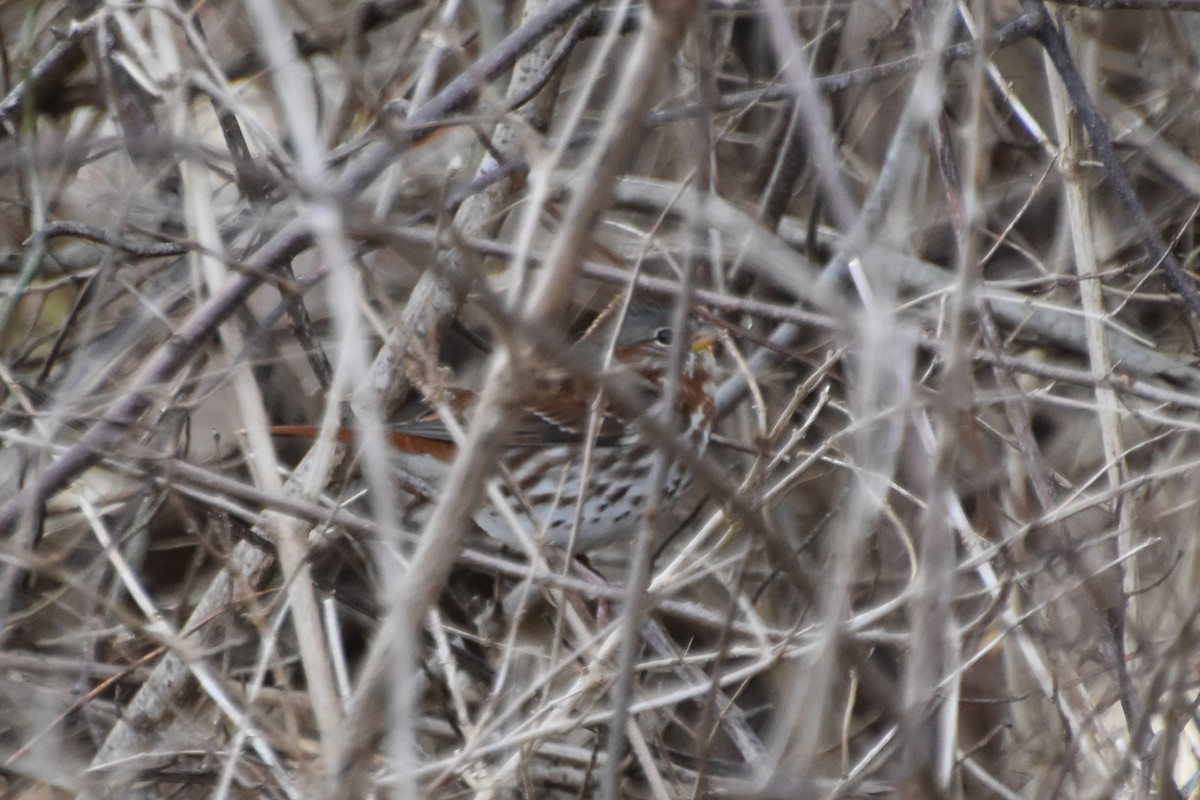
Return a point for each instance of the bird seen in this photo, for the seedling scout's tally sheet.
(544, 457)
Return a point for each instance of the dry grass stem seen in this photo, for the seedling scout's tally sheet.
(940, 542)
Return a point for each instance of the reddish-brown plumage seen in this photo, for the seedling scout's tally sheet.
(441, 449)
(544, 458)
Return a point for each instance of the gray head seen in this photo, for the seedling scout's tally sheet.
(645, 337)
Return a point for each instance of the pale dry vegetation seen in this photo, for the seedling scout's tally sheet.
(945, 544)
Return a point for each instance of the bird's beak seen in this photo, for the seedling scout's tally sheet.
(704, 340)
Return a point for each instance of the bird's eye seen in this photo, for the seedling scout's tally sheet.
(664, 336)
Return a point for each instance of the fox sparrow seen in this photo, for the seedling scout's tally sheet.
(544, 459)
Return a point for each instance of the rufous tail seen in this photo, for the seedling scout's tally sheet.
(404, 442)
